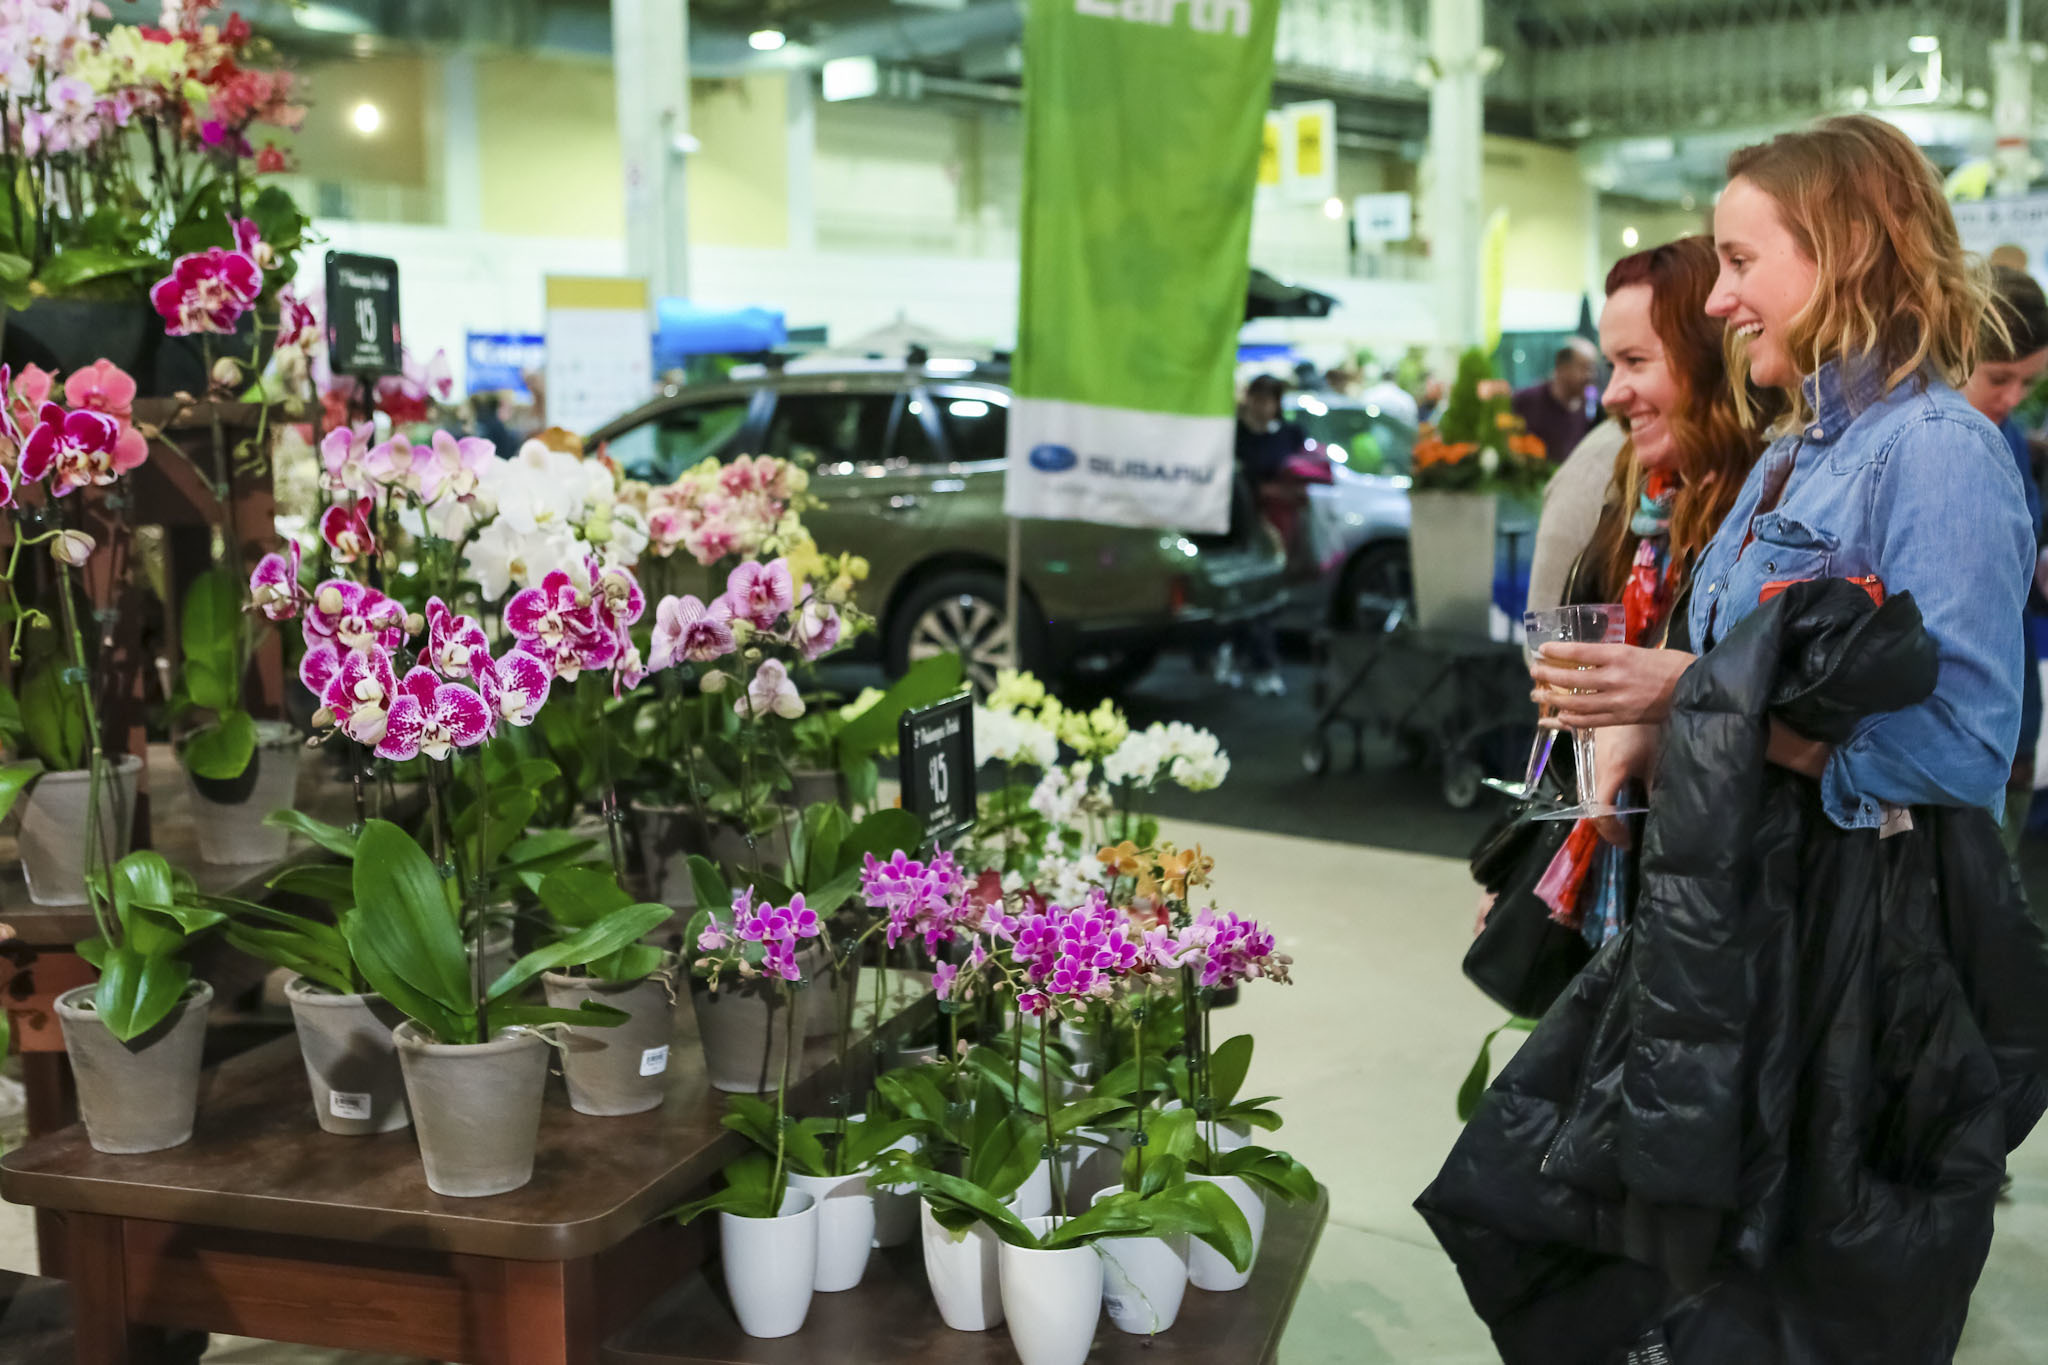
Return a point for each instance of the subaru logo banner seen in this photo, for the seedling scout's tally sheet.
(1135, 249)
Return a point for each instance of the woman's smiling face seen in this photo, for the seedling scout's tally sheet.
(1643, 391)
(1765, 280)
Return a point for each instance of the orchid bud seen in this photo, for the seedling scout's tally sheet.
(330, 601)
(714, 682)
(415, 623)
(582, 596)
(323, 717)
(227, 372)
(72, 547)
(742, 631)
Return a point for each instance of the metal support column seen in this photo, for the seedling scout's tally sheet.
(651, 67)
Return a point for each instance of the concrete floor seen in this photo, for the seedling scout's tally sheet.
(1368, 1047)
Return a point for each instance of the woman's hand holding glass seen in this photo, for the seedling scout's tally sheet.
(1595, 686)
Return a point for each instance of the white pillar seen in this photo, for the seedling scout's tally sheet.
(803, 151)
(2012, 109)
(651, 67)
(461, 155)
(1456, 122)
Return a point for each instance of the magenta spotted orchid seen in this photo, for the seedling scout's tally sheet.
(433, 717)
(455, 644)
(685, 628)
(346, 529)
(559, 623)
(75, 450)
(209, 291)
(514, 686)
(817, 628)
(359, 694)
(274, 587)
(354, 616)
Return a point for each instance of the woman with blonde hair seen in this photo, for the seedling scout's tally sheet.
(1769, 1121)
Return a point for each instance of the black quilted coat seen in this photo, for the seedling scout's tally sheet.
(1769, 1121)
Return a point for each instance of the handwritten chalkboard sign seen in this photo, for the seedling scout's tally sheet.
(938, 766)
(362, 314)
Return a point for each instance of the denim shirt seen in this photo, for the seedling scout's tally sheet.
(1918, 489)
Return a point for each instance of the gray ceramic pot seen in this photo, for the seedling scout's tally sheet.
(827, 989)
(233, 832)
(667, 836)
(810, 786)
(53, 828)
(745, 1030)
(351, 1062)
(475, 1107)
(141, 1095)
(624, 1068)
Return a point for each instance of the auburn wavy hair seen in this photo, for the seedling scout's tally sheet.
(1867, 208)
(1716, 436)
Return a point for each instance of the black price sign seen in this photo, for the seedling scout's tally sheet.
(938, 766)
(362, 314)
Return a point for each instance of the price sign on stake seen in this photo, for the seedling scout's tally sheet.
(938, 766)
(362, 314)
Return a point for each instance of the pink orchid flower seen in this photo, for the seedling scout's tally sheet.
(455, 644)
(74, 449)
(817, 628)
(514, 686)
(558, 623)
(207, 292)
(318, 667)
(360, 694)
(685, 628)
(451, 467)
(104, 387)
(620, 602)
(760, 593)
(432, 717)
(6, 487)
(31, 390)
(389, 462)
(353, 617)
(346, 529)
(770, 693)
(274, 588)
(343, 452)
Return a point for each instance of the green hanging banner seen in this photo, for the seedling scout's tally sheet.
(1143, 123)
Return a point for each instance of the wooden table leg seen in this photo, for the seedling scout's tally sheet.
(101, 1329)
(545, 1311)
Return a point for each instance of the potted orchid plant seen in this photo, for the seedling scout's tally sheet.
(80, 798)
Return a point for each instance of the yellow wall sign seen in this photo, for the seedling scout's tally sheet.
(1311, 142)
(1308, 151)
(1269, 151)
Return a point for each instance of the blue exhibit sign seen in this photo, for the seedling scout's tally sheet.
(500, 361)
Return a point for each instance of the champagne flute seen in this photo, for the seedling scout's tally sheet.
(1605, 623)
(1546, 739)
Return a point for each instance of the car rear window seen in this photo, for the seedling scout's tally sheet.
(821, 430)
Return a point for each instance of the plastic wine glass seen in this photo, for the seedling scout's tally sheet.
(1600, 624)
(1546, 739)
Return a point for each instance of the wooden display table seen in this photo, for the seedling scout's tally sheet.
(264, 1226)
(891, 1318)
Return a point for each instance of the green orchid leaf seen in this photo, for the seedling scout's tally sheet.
(631, 963)
(403, 908)
(968, 1197)
(333, 838)
(136, 993)
(53, 717)
(579, 897)
(222, 750)
(924, 682)
(709, 884)
(1228, 1066)
(1278, 1172)
(456, 1024)
(210, 637)
(881, 834)
(82, 264)
(328, 882)
(751, 1191)
(616, 930)
(1084, 1113)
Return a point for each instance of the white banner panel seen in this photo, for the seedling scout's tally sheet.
(1084, 462)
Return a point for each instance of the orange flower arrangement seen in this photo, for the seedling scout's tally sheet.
(1481, 446)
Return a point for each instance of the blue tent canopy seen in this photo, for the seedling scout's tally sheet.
(683, 330)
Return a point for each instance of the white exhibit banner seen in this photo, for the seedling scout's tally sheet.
(1120, 466)
(600, 349)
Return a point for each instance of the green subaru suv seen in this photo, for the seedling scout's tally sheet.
(908, 461)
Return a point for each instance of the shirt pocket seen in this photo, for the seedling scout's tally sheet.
(1789, 551)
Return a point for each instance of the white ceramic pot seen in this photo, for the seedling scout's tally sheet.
(1033, 1198)
(1083, 1042)
(1451, 545)
(965, 1274)
(52, 837)
(770, 1264)
(1206, 1267)
(846, 1227)
(895, 1205)
(233, 832)
(1084, 1166)
(1144, 1279)
(1052, 1300)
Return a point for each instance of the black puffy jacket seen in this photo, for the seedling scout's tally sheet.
(1769, 1121)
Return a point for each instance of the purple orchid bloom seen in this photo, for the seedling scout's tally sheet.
(433, 717)
(514, 686)
(274, 587)
(360, 694)
(760, 593)
(455, 643)
(73, 448)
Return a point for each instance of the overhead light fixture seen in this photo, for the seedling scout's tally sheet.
(1924, 42)
(1333, 208)
(850, 78)
(367, 118)
(1629, 238)
(767, 39)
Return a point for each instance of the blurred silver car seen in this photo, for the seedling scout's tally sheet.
(1357, 523)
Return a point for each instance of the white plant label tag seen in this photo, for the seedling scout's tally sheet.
(344, 1104)
(654, 1061)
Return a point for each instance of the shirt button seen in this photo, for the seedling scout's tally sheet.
(1815, 432)
(1713, 588)
(1770, 566)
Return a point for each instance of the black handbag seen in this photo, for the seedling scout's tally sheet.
(1522, 959)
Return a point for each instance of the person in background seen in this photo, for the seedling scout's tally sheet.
(2007, 369)
(1390, 398)
(1264, 443)
(490, 424)
(1555, 410)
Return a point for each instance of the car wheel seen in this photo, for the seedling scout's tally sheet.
(1376, 580)
(962, 612)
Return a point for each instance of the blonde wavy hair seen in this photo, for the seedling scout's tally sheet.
(1867, 208)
